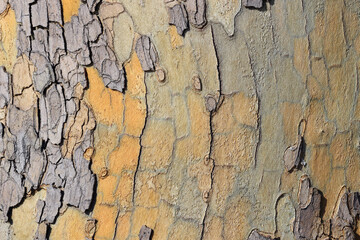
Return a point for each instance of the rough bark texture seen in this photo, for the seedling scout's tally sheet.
(197, 119)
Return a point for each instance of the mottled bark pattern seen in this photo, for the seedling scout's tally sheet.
(174, 119)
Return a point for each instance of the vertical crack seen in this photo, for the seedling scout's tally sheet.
(212, 134)
(211, 175)
(140, 137)
(116, 223)
(257, 94)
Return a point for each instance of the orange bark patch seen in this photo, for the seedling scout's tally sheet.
(70, 8)
(125, 156)
(107, 104)
(106, 217)
(121, 119)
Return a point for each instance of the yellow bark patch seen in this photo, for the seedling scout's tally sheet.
(124, 191)
(26, 100)
(135, 77)
(318, 129)
(24, 217)
(146, 190)
(223, 184)
(291, 117)
(166, 217)
(184, 230)
(357, 45)
(191, 148)
(236, 148)
(340, 149)
(314, 88)
(246, 109)
(70, 225)
(135, 105)
(181, 117)
(288, 181)
(24, 94)
(124, 223)
(334, 39)
(158, 140)
(106, 189)
(337, 181)
(135, 115)
(143, 216)
(301, 56)
(316, 37)
(352, 173)
(320, 167)
(22, 76)
(236, 225)
(8, 40)
(106, 140)
(213, 228)
(319, 71)
(175, 39)
(198, 116)
(224, 121)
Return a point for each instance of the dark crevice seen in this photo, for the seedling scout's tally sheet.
(140, 137)
(212, 134)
